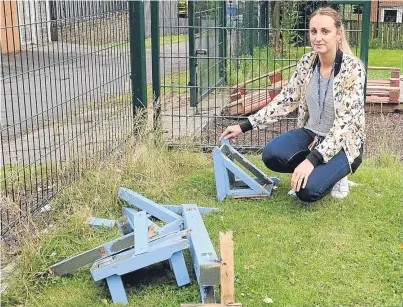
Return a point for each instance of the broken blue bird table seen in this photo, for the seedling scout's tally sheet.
(234, 181)
(144, 242)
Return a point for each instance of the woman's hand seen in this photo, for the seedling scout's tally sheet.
(300, 175)
(232, 132)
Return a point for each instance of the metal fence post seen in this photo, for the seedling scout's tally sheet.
(192, 55)
(366, 24)
(223, 41)
(251, 25)
(137, 55)
(155, 50)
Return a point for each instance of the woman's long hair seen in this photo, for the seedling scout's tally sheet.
(328, 11)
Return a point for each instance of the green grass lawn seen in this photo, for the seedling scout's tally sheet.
(331, 253)
(386, 58)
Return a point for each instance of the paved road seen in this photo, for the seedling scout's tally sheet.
(48, 81)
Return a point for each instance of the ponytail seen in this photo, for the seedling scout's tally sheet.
(344, 46)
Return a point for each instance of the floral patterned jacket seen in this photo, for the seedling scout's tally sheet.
(348, 94)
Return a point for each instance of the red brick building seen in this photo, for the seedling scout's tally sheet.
(389, 11)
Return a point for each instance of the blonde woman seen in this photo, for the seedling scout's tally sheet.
(328, 90)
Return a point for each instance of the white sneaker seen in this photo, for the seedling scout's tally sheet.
(292, 194)
(341, 188)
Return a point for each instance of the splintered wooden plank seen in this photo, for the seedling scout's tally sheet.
(202, 210)
(147, 205)
(227, 268)
(140, 233)
(205, 260)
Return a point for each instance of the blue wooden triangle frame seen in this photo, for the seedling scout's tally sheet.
(233, 181)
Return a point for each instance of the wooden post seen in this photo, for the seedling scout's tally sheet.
(226, 276)
(227, 268)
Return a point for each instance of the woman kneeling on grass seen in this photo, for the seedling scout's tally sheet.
(328, 89)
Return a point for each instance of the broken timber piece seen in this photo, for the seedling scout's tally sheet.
(227, 268)
(112, 268)
(147, 205)
(110, 248)
(227, 274)
(233, 181)
(202, 210)
(205, 260)
(99, 222)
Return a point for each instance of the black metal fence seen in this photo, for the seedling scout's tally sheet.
(66, 98)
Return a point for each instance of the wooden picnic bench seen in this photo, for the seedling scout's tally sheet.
(246, 100)
(384, 90)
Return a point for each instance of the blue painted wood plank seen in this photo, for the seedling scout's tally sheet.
(117, 289)
(75, 262)
(221, 175)
(245, 177)
(225, 142)
(130, 213)
(205, 260)
(147, 205)
(115, 246)
(140, 233)
(178, 209)
(171, 227)
(166, 237)
(178, 265)
(127, 261)
(245, 192)
(100, 222)
(249, 165)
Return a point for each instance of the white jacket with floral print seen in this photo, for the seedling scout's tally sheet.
(348, 94)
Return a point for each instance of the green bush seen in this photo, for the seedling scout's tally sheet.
(397, 45)
(375, 43)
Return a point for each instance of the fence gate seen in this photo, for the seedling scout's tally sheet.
(207, 47)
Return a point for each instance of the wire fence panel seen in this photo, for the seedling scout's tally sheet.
(65, 97)
(260, 43)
